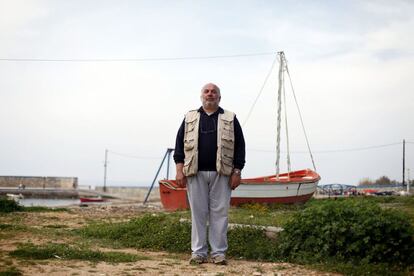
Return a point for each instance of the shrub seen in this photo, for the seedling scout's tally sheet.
(9, 205)
(348, 231)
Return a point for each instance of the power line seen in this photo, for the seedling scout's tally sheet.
(133, 156)
(149, 59)
(333, 151)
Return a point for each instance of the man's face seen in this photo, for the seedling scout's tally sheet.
(210, 96)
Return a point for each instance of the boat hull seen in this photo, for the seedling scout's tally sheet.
(87, 199)
(295, 187)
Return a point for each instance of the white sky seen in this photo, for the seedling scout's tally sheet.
(351, 63)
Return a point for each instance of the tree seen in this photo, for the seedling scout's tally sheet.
(365, 182)
(383, 181)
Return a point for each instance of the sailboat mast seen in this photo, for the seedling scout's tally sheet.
(279, 111)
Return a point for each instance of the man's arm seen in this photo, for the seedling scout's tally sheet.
(180, 178)
(239, 146)
(239, 155)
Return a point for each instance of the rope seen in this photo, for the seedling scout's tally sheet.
(287, 129)
(301, 119)
(260, 91)
(333, 151)
(133, 59)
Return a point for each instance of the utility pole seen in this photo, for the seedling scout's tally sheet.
(408, 181)
(105, 167)
(403, 176)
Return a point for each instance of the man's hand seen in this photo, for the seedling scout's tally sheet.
(180, 178)
(235, 181)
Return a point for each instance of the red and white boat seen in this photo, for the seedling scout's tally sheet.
(295, 187)
(292, 187)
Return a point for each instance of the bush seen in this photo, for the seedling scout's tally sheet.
(9, 205)
(348, 231)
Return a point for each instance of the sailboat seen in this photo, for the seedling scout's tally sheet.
(291, 187)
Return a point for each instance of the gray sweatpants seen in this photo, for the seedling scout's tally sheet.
(209, 196)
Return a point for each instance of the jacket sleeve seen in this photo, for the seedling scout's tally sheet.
(179, 145)
(239, 146)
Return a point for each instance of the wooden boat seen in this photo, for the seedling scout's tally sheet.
(15, 196)
(295, 187)
(291, 187)
(91, 199)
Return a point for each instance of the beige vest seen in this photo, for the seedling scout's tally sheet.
(225, 143)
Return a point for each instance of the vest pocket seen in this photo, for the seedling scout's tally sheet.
(227, 141)
(188, 145)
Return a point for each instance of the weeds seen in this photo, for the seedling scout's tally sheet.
(63, 251)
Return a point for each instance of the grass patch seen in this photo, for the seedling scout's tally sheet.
(160, 232)
(355, 235)
(11, 271)
(43, 209)
(63, 251)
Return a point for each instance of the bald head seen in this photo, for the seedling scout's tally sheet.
(210, 97)
(211, 86)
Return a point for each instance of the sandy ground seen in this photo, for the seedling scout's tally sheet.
(159, 263)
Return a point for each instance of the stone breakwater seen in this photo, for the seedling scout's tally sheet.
(127, 193)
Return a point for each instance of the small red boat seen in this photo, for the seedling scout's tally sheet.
(293, 187)
(91, 199)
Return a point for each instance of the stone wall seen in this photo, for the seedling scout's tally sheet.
(134, 193)
(45, 182)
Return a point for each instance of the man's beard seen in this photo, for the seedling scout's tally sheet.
(210, 104)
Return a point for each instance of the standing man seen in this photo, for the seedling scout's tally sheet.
(209, 156)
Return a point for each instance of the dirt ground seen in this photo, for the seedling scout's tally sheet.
(158, 263)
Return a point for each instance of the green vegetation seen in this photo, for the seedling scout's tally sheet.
(344, 235)
(160, 232)
(63, 251)
(263, 214)
(10, 205)
(349, 231)
(354, 236)
(44, 209)
(11, 271)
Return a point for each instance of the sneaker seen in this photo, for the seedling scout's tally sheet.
(197, 259)
(219, 260)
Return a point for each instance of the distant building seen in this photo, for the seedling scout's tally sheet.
(45, 182)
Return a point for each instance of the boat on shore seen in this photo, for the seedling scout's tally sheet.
(91, 199)
(15, 197)
(289, 188)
